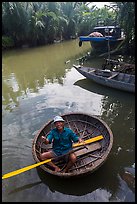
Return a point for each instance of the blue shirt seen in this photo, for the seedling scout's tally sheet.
(62, 142)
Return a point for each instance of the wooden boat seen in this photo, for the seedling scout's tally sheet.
(108, 34)
(113, 79)
(90, 156)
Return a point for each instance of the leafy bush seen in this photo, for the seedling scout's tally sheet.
(7, 42)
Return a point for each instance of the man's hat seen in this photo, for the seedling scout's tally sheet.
(58, 118)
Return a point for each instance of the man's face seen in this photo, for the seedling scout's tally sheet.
(59, 125)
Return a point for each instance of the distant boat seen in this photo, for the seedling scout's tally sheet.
(104, 38)
(113, 79)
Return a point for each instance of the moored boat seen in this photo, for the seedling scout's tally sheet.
(98, 141)
(102, 37)
(113, 79)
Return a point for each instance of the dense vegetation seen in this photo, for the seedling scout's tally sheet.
(41, 23)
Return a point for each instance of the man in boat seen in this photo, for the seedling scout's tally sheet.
(62, 139)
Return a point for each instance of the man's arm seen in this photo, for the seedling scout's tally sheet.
(46, 141)
(76, 138)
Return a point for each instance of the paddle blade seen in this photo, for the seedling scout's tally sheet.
(19, 171)
(94, 139)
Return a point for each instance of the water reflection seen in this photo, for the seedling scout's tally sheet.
(27, 186)
(96, 187)
(92, 184)
(27, 71)
(37, 84)
(115, 103)
(102, 90)
(82, 185)
(128, 175)
(118, 110)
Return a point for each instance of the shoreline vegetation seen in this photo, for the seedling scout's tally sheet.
(32, 24)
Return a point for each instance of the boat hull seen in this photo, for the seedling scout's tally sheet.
(101, 43)
(121, 81)
(105, 45)
(88, 159)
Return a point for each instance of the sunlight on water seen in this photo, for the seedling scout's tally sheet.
(39, 83)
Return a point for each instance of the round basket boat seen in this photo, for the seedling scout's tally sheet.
(97, 136)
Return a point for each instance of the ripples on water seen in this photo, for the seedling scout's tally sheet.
(37, 84)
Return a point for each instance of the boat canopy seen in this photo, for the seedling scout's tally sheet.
(114, 31)
(104, 27)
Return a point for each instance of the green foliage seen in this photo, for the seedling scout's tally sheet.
(126, 19)
(7, 42)
(127, 9)
(38, 23)
(14, 19)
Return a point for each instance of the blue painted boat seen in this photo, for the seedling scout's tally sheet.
(96, 39)
(102, 37)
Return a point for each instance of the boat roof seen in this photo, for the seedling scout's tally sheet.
(103, 27)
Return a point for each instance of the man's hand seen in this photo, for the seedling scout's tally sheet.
(80, 140)
(44, 139)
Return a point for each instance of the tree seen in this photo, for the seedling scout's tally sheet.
(126, 17)
(14, 20)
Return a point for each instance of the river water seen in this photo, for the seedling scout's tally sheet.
(39, 83)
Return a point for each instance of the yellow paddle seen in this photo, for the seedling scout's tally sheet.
(19, 171)
(88, 141)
